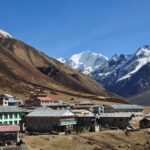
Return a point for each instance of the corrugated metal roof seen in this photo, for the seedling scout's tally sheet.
(9, 128)
(48, 112)
(82, 113)
(146, 119)
(86, 102)
(11, 109)
(147, 115)
(58, 104)
(45, 99)
(115, 115)
(126, 106)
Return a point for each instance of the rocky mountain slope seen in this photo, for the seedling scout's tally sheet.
(126, 75)
(22, 68)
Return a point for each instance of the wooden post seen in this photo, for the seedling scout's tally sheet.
(18, 137)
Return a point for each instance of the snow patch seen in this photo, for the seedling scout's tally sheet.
(137, 61)
(5, 34)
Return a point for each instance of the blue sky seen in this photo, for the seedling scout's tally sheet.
(61, 28)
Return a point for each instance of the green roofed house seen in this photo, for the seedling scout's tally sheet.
(11, 115)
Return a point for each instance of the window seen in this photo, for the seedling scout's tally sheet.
(5, 122)
(15, 115)
(15, 122)
(10, 122)
(5, 116)
(0, 116)
(10, 116)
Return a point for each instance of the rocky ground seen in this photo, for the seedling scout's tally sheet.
(105, 140)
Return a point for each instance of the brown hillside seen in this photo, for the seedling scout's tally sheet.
(22, 66)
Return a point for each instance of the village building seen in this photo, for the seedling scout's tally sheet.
(8, 100)
(98, 109)
(47, 120)
(84, 107)
(147, 115)
(9, 133)
(85, 103)
(145, 122)
(135, 110)
(11, 115)
(85, 119)
(60, 105)
(115, 120)
(40, 101)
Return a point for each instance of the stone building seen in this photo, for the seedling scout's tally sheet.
(115, 120)
(47, 120)
(9, 133)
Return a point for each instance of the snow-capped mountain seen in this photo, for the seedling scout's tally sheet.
(135, 62)
(126, 75)
(5, 34)
(122, 74)
(122, 67)
(85, 62)
(108, 73)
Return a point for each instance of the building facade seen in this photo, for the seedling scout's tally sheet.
(9, 133)
(45, 119)
(135, 110)
(145, 123)
(85, 119)
(10, 115)
(8, 100)
(41, 100)
(115, 120)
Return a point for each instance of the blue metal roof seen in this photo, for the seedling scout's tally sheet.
(12, 101)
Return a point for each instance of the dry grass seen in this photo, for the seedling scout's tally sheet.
(117, 140)
(147, 109)
(20, 74)
(111, 140)
(60, 142)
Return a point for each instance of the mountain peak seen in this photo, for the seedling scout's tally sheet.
(86, 55)
(143, 52)
(85, 61)
(145, 47)
(114, 57)
(5, 34)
